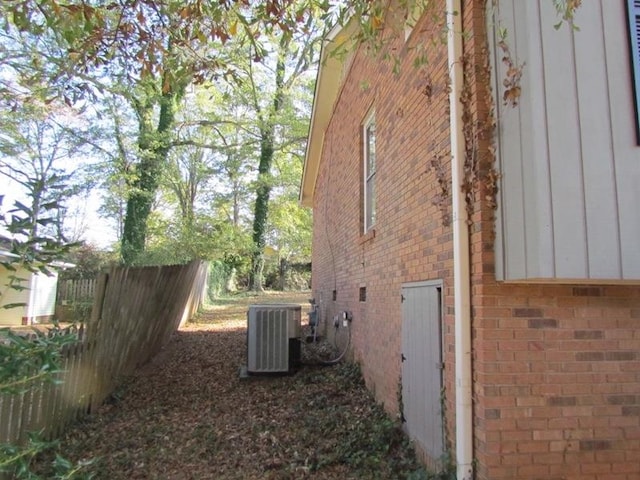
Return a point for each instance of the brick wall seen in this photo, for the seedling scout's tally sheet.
(556, 367)
(410, 242)
(557, 372)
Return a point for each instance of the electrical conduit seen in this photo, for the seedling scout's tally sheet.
(461, 274)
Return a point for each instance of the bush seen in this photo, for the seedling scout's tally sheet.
(220, 273)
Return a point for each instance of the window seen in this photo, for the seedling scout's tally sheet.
(369, 203)
(633, 10)
(363, 294)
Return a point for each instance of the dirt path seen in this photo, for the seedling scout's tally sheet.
(188, 415)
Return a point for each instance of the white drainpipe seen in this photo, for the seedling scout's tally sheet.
(461, 275)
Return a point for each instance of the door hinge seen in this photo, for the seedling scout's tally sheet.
(402, 298)
(402, 357)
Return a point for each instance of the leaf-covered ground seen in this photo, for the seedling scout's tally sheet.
(189, 415)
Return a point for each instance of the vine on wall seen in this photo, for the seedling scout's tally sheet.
(442, 199)
(481, 176)
(513, 75)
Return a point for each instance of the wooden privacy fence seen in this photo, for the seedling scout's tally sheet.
(135, 312)
(47, 406)
(70, 291)
(74, 299)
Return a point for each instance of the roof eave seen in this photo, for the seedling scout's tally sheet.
(328, 84)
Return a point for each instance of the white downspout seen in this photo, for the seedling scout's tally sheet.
(461, 275)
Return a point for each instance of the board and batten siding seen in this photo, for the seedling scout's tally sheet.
(569, 199)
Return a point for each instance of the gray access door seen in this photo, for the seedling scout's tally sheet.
(422, 365)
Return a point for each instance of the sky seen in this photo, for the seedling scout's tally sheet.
(96, 230)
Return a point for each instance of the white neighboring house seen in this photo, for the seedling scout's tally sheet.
(38, 298)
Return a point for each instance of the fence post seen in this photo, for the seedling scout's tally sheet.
(98, 304)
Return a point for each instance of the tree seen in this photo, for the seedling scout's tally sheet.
(148, 52)
(159, 48)
(200, 180)
(221, 137)
(41, 155)
(221, 126)
(153, 147)
(114, 142)
(266, 89)
(267, 150)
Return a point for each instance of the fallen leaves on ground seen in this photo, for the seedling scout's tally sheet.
(189, 415)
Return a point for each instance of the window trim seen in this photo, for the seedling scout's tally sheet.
(633, 18)
(369, 177)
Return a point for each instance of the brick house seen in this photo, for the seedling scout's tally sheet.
(478, 214)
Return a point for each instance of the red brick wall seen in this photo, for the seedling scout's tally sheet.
(557, 372)
(410, 242)
(556, 367)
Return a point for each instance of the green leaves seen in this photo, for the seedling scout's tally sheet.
(64, 469)
(26, 360)
(33, 252)
(27, 254)
(18, 460)
(566, 11)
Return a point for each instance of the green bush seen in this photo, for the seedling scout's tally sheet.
(219, 273)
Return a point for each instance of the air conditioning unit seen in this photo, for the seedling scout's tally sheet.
(273, 338)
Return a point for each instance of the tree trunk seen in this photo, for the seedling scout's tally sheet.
(154, 147)
(261, 209)
(282, 274)
(267, 141)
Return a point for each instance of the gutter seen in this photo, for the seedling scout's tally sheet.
(461, 271)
